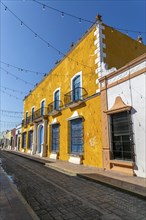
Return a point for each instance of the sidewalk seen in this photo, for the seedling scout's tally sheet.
(12, 204)
(131, 184)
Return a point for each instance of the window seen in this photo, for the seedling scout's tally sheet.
(32, 114)
(26, 116)
(55, 137)
(30, 139)
(56, 100)
(121, 136)
(42, 107)
(24, 140)
(76, 136)
(76, 86)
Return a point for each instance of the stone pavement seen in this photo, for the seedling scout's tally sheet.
(12, 204)
(131, 184)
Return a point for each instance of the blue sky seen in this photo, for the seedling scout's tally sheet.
(19, 46)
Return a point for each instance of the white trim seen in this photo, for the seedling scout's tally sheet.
(32, 108)
(98, 91)
(54, 121)
(38, 138)
(75, 115)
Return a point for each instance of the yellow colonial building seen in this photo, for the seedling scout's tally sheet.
(62, 115)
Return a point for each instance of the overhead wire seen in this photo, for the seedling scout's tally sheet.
(63, 13)
(22, 69)
(43, 40)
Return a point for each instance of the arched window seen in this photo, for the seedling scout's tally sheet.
(56, 100)
(76, 85)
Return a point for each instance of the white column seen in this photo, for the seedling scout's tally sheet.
(44, 145)
(34, 145)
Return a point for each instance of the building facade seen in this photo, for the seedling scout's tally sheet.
(123, 98)
(62, 115)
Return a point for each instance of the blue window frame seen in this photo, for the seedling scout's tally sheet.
(30, 139)
(76, 85)
(42, 107)
(26, 116)
(55, 138)
(24, 140)
(32, 114)
(76, 136)
(56, 100)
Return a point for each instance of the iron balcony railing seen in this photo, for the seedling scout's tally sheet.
(25, 121)
(54, 107)
(40, 113)
(37, 114)
(75, 95)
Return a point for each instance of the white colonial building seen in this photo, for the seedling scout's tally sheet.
(123, 95)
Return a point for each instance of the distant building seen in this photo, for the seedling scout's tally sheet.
(13, 139)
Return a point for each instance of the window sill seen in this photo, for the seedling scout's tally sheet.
(122, 163)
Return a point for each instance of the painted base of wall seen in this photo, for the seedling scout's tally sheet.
(29, 151)
(140, 172)
(75, 159)
(54, 156)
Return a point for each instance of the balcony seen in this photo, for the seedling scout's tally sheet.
(54, 107)
(38, 115)
(25, 122)
(75, 97)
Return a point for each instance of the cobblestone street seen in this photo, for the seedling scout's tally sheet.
(54, 195)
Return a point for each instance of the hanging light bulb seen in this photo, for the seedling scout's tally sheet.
(80, 20)
(43, 7)
(21, 23)
(35, 35)
(5, 9)
(62, 14)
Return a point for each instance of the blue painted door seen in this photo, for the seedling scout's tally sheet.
(76, 88)
(40, 139)
(30, 140)
(56, 100)
(76, 136)
(55, 138)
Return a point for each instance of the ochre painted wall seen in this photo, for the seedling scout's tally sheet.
(60, 77)
(120, 48)
(91, 113)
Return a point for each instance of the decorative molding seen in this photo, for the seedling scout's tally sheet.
(118, 76)
(54, 121)
(99, 50)
(119, 106)
(74, 116)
